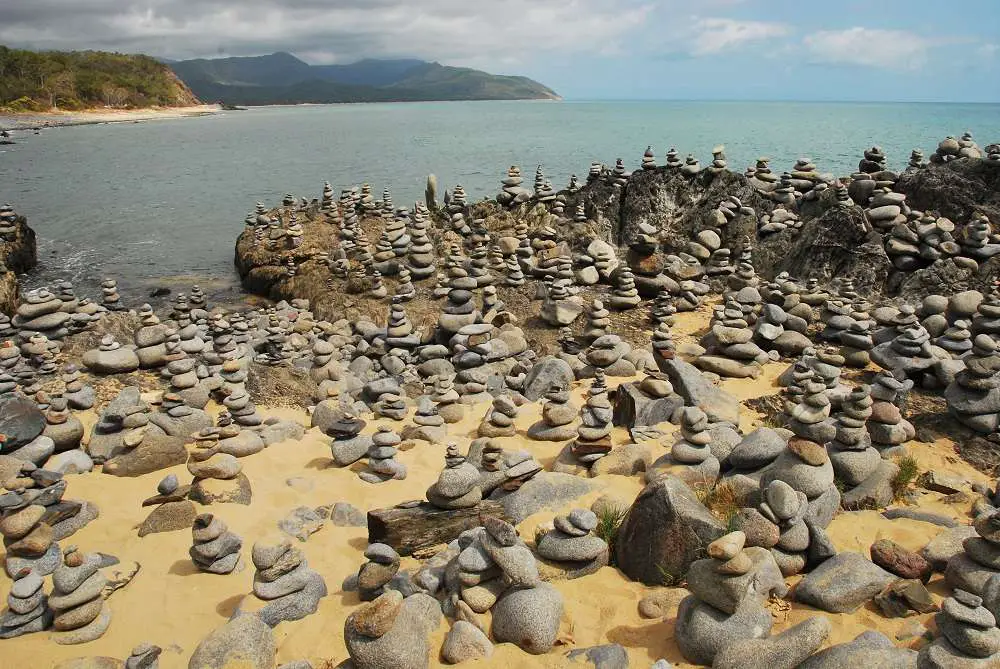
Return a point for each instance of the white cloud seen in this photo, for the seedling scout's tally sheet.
(714, 35)
(457, 32)
(888, 49)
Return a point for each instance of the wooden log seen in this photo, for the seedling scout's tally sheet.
(411, 526)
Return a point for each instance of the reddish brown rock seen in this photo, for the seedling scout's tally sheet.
(903, 563)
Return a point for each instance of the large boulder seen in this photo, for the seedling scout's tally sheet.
(843, 583)
(245, 642)
(544, 374)
(666, 530)
(20, 422)
(696, 390)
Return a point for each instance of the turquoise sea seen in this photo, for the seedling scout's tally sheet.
(163, 201)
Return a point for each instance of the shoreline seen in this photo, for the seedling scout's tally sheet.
(57, 119)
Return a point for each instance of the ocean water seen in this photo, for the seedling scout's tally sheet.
(162, 202)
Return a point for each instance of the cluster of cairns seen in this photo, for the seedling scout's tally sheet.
(477, 357)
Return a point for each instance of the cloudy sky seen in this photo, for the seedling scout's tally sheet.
(584, 49)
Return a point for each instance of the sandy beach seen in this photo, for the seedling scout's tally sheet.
(52, 119)
(170, 603)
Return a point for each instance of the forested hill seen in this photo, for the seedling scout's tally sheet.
(45, 80)
(281, 78)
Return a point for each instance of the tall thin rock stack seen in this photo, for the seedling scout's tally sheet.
(593, 436)
(77, 599)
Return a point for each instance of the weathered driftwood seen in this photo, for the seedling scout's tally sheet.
(411, 527)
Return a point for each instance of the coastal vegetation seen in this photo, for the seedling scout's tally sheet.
(32, 81)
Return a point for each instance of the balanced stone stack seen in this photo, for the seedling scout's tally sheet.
(805, 466)
(284, 580)
(910, 353)
(150, 339)
(110, 299)
(62, 427)
(969, 635)
(243, 410)
(598, 321)
(559, 308)
(40, 312)
(888, 429)
(218, 476)
(375, 575)
(110, 358)
(572, 544)
(810, 418)
(214, 548)
(499, 419)
(625, 295)
(80, 614)
(558, 416)
(174, 511)
(457, 487)
(428, 425)
(382, 463)
(27, 606)
(690, 458)
(421, 259)
(726, 604)
(778, 220)
(446, 398)
(856, 463)
(731, 351)
(392, 631)
(593, 435)
(513, 193)
(348, 445)
(974, 394)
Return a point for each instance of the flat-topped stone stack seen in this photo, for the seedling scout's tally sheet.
(572, 545)
(40, 312)
(177, 419)
(284, 580)
(457, 487)
(80, 614)
(969, 635)
(428, 425)
(726, 604)
(974, 395)
(214, 548)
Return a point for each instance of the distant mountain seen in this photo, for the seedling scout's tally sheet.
(281, 78)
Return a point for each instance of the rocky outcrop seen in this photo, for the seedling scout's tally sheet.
(17, 255)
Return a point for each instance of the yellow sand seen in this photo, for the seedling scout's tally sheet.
(171, 604)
